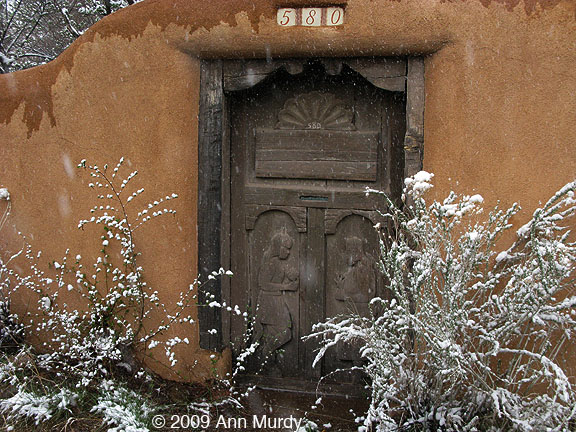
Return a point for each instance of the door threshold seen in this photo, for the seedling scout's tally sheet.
(294, 385)
(340, 411)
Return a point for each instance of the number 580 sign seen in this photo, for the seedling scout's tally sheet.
(310, 17)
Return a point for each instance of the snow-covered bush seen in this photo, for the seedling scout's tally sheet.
(37, 407)
(108, 332)
(92, 356)
(122, 409)
(472, 337)
(11, 330)
(107, 336)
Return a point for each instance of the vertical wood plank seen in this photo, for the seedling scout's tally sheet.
(395, 115)
(210, 200)
(414, 139)
(225, 225)
(238, 236)
(313, 275)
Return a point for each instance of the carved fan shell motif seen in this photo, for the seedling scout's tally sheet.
(315, 110)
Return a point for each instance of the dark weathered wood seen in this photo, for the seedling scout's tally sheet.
(397, 84)
(371, 68)
(291, 140)
(352, 392)
(243, 74)
(312, 291)
(225, 226)
(274, 257)
(396, 118)
(414, 139)
(209, 201)
(316, 110)
(239, 264)
(352, 278)
(333, 217)
(320, 197)
(298, 215)
(316, 154)
(387, 74)
(334, 170)
(317, 140)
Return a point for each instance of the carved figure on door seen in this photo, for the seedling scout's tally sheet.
(357, 282)
(355, 287)
(277, 275)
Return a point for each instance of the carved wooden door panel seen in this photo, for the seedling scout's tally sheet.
(303, 149)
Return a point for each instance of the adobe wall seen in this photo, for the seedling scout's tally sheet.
(499, 117)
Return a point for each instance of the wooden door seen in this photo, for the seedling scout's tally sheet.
(303, 150)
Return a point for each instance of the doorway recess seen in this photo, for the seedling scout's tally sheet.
(286, 150)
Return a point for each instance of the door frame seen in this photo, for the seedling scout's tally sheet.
(402, 74)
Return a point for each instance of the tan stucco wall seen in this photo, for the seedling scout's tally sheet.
(500, 115)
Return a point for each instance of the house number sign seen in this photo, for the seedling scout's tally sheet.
(310, 17)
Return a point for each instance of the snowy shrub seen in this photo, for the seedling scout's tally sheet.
(122, 409)
(11, 330)
(106, 337)
(246, 348)
(91, 354)
(36, 406)
(472, 337)
(107, 333)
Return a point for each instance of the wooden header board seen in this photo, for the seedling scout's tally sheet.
(316, 154)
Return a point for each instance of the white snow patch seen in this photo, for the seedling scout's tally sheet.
(4, 194)
(502, 256)
(68, 166)
(420, 182)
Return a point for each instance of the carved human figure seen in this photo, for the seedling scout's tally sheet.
(357, 282)
(277, 275)
(355, 287)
